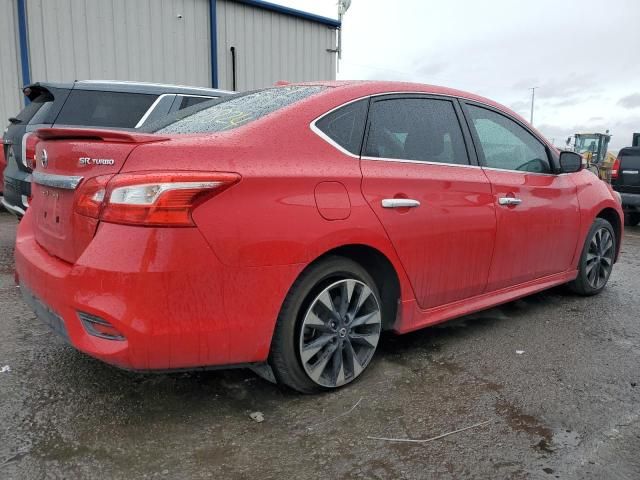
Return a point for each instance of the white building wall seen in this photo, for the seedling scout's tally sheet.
(10, 74)
(271, 46)
(142, 40)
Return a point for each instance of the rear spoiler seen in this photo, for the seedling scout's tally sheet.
(97, 134)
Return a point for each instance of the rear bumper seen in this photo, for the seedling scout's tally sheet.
(12, 208)
(173, 301)
(630, 201)
(16, 191)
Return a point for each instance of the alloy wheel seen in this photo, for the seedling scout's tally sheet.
(600, 258)
(340, 333)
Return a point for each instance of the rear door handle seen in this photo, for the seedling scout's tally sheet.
(400, 203)
(509, 201)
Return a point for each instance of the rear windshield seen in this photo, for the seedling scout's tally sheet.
(235, 111)
(33, 107)
(104, 109)
(630, 157)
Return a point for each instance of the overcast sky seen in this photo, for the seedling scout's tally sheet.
(584, 56)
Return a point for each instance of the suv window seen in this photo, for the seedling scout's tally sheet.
(416, 129)
(238, 110)
(507, 145)
(104, 109)
(187, 101)
(27, 113)
(345, 126)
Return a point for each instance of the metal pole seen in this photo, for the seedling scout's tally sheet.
(533, 99)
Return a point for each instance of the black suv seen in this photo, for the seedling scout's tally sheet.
(86, 103)
(625, 179)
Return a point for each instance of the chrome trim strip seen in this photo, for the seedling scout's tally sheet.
(25, 201)
(151, 109)
(145, 84)
(420, 162)
(12, 209)
(314, 128)
(67, 182)
(523, 172)
(317, 131)
(23, 150)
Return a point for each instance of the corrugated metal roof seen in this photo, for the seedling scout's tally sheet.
(292, 12)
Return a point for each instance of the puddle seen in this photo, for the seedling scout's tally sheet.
(529, 424)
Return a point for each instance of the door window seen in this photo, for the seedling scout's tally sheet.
(345, 126)
(507, 145)
(419, 129)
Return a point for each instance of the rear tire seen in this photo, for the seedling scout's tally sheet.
(328, 328)
(632, 219)
(596, 261)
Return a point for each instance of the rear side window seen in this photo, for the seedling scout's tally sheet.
(33, 107)
(238, 110)
(419, 129)
(104, 109)
(189, 101)
(345, 126)
(506, 145)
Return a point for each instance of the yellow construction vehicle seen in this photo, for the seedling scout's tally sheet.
(593, 148)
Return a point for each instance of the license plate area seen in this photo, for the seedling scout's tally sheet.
(51, 212)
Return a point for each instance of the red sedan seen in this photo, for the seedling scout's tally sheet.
(286, 228)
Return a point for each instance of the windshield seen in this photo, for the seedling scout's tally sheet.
(235, 111)
(587, 143)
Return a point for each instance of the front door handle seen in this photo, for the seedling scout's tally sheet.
(509, 201)
(400, 203)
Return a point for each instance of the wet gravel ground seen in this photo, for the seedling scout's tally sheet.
(568, 406)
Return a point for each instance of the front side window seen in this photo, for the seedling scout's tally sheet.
(507, 145)
(345, 126)
(419, 129)
(235, 111)
(104, 109)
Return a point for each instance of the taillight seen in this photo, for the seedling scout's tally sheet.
(615, 169)
(29, 142)
(150, 199)
(90, 196)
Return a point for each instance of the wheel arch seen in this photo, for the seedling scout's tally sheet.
(611, 215)
(383, 271)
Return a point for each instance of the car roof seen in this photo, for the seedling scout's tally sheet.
(133, 87)
(374, 87)
(629, 151)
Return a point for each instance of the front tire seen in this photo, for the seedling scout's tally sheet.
(328, 328)
(596, 261)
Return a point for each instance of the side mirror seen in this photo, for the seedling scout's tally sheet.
(571, 162)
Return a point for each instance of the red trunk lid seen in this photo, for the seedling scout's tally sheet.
(65, 160)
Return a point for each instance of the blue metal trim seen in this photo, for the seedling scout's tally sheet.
(292, 12)
(214, 43)
(24, 46)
